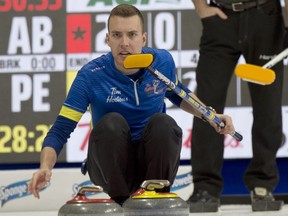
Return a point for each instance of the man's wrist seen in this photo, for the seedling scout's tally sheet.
(211, 109)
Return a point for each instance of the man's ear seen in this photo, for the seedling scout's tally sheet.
(144, 38)
(107, 39)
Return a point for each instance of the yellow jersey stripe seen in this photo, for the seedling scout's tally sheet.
(70, 113)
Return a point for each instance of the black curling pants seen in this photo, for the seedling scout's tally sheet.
(257, 34)
(119, 165)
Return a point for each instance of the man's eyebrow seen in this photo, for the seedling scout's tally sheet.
(132, 31)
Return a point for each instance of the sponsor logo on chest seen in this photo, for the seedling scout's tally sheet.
(116, 96)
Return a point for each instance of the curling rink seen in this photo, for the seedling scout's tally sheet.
(225, 210)
(65, 183)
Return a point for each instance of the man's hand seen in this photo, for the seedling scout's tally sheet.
(39, 180)
(229, 127)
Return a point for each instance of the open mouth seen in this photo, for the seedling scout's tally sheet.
(125, 53)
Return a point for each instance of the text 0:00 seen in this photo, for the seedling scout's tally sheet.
(44, 63)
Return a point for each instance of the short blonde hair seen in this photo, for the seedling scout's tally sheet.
(126, 10)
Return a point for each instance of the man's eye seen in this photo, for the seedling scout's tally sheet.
(116, 35)
(132, 34)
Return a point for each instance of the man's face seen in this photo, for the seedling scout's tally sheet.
(125, 37)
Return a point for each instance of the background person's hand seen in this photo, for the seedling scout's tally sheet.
(207, 11)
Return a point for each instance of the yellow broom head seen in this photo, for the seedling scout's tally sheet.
(255, 74)
(138, 61)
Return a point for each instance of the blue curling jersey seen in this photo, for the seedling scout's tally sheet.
(102, 89)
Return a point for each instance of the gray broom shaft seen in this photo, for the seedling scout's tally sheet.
(203, 109)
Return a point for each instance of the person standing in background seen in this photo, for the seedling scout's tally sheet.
(231, 28)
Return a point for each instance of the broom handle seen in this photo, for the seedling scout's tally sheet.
(276, 59)
(207, 113)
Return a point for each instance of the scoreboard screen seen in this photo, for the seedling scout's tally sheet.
(44, 43)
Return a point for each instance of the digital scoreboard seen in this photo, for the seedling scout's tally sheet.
(43, 43)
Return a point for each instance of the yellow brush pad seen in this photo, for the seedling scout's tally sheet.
(256, 74)
(138, 61)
